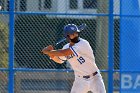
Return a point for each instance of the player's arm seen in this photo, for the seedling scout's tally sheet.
(56, 54)
(61, 52)
(57, 60)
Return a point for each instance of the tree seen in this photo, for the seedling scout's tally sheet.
(3, 45)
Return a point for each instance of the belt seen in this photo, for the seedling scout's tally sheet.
(88, 76)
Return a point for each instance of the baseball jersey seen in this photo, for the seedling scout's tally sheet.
(82, 60)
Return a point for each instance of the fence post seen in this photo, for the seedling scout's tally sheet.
(120, 46)
(110, 48)
(11, 47)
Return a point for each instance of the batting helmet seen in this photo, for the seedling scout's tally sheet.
(70, 29)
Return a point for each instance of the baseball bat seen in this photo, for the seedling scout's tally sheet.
(60, 41)
(81, 27)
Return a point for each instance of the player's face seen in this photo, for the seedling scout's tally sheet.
(72, 36)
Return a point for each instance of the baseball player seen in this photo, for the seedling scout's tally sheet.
(79, 54)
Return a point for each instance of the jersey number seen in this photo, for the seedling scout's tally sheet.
(81, 60)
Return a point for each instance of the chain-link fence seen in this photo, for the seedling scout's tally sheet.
(38, 23)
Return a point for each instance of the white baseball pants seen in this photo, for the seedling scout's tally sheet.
(94, 84)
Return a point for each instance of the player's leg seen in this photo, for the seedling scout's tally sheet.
(79, 86)
(97, 84)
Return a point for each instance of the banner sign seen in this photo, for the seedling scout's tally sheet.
(130, 83)
(130, 36)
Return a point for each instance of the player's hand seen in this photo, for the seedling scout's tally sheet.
(47, 49)
(50, 47)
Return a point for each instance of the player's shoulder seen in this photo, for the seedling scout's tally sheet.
(84, 44)
(83, 41)
(66, 46)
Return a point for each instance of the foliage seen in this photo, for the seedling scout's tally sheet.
(3, 45)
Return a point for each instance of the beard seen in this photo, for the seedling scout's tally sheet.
(75, 40)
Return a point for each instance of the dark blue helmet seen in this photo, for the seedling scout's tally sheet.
(70, 29)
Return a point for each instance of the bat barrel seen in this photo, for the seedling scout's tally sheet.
(82, 27)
